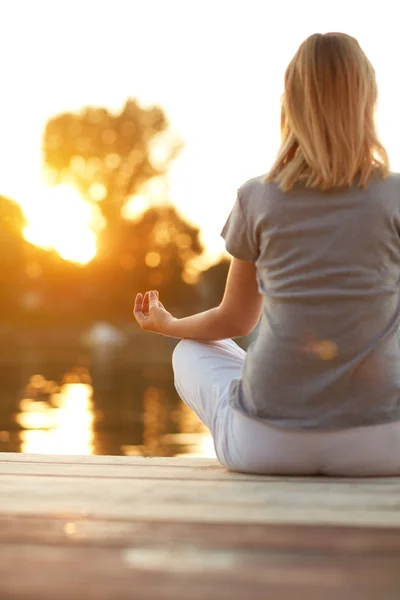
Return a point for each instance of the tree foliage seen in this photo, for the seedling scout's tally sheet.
(12, 255)
(33, 281)
(108, 156)
(153, 252)
(212, 283)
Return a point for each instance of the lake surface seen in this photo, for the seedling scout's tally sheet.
(75, 402)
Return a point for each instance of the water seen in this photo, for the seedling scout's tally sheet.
(71, 401)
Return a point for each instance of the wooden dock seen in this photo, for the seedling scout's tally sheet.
(116, 528)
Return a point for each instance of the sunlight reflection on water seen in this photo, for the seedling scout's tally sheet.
(62, 420)
(62, 425)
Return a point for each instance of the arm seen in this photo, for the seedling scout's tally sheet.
(236, 316)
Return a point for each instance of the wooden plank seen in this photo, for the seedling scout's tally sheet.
(138, 461)
(333, 540)
(159, 467)
(152, 470)
(162, 529)
(146, 469)
(202, 501)
(185, 572)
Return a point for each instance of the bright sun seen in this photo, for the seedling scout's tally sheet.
(60, 219)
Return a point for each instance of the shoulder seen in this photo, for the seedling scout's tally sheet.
(387, 190)
(389, 193)
(256, 199)
(256, 190)
(257, 195)
(253, 185)
(393, 180)
(390, 182)
(394, 176)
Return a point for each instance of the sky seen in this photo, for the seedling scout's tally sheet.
(215, 66)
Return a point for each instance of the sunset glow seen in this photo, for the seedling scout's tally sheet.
(59, 219)
(229, 124)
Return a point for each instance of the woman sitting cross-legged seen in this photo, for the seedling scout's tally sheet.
(316, 260)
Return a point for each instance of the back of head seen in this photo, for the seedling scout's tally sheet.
(328, 130)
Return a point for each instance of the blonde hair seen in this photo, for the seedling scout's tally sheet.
(328, 132)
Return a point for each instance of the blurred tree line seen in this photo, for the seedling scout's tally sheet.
(109, 158)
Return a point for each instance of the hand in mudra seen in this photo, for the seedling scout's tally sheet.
(151, 314)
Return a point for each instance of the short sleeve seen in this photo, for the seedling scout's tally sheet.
(240, 240)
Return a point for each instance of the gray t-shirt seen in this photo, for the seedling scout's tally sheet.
(327, 353)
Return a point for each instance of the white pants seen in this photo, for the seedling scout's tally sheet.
(203, 372)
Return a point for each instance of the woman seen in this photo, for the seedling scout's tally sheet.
(316, 258)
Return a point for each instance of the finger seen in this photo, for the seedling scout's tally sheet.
(137, 311)
(146, 303)
(161, 305)
(157, 293)
(153, 300)
(138, 302)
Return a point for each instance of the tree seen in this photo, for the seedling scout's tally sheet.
(212, 283)
(152, 252)
(33, 281)
(107, 156)
(12, 263)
